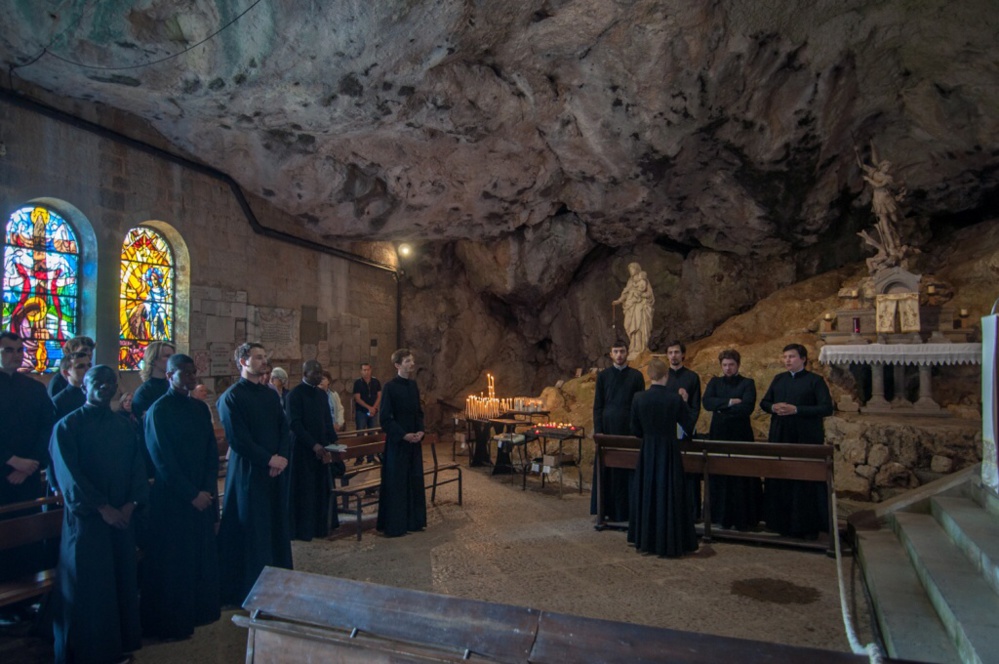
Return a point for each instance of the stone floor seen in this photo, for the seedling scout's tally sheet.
(532, 548)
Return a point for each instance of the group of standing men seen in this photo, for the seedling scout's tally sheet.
(102, 466)
(658, 500)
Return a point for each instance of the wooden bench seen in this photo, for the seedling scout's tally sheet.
(300, 617)
(361, 493)
(359, 447)
(732, 459)
(24, 530)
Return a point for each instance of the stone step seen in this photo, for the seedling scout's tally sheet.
(910, 627)
(967, 606)
(974, 530)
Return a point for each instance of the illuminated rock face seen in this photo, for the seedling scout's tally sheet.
(720, 125)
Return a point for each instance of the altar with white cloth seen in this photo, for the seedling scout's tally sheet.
(924, 356)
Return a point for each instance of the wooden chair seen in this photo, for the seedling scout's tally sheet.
(434, 472)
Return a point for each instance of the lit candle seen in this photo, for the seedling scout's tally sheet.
(964, 313)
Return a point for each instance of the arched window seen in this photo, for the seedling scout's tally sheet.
(40, 283)
(146, 309)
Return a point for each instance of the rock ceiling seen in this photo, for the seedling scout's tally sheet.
(716, 124)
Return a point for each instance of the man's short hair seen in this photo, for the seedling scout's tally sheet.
(365, 364)
(177, 360)
(801, 350)
(9, 334)
(328, 376)
(657, 369)
(680, 344)
(76, 344)
(619, 343)
(243, 352)
(730, 354)
(400, 355)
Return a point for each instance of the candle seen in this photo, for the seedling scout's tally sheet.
(828, 316)
(856, 325)
(931, 289)
(964, 313)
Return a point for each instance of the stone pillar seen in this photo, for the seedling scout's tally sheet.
(926, 401)
(877, 402)
(899, 400)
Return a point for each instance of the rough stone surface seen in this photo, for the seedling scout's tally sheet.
(722, 125)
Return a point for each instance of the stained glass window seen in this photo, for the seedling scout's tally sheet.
(147, 295)
(40, 289)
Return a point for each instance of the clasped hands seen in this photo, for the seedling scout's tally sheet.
(117, 518)
(322, 454)
(782, 408)
(277, 464)
(413, 437)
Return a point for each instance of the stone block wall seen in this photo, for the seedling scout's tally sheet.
(345, 312)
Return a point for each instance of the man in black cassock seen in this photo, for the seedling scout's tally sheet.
(402, 501)
(101, 471)
(26, 414)
(797, 400)
(155, 383)
(687, 384)
(180, 582)
(616, 387)
(254, 531)
(731, 398)
(72, 396)
(72, 349)
(661, 520)
(312, 430)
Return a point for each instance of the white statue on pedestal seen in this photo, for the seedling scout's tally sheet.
(637, 300)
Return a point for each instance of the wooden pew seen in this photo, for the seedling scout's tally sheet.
(740, 459)
(299, 617)
(24, 530)
(366, 445)
(359, 447)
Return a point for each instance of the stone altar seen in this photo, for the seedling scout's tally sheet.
(924, 356)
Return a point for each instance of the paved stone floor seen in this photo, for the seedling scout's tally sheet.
(532, 548)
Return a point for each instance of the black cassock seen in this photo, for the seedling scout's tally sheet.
(611, 415)
(254, 531)
(68, 400)
(735, 501)
(797, 508)
(147, 394)
(661, 519)
(691, 382)
(402, 502)
(27, 415)
(311, 423)
(57, 385)
(97, 461)
(180, 584)
(142, 400)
